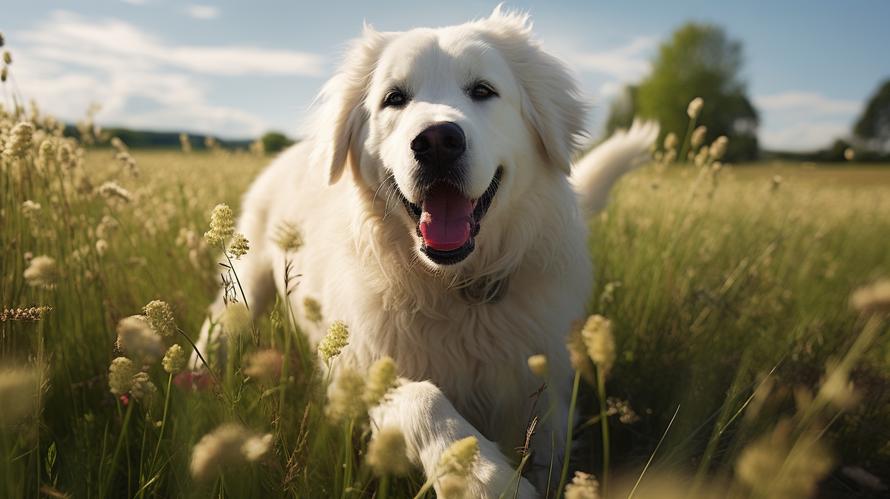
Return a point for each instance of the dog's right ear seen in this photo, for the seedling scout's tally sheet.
(340, 114)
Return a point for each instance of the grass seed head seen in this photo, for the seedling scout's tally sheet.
(537, 364)
(670, 141)
(345, 399)
(222, 225)
(120, 375)
(459, 458)
(718, 148)
(698, 136)
(174, 360)
(142, 388)
(600, 343)
(334, 342)
(695, 107)
(388, 453)
(19, 142)
(239, 246)
(160, 316)
(42, 272)
(381, 377)
(288, 237)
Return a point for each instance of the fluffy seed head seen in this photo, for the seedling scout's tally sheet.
(694, 107)
(312, 309)
(222, 225)
(670, 141)
(770, 468)
(101, 247)
(336, 339)
(872, 299)
(600, 343)
(19, 393)
(160, 317)
(459, 458)
(30, 209)
(42, 272)
(582, 486)
(345, 399)
(228, 445)
(718, 147)
(381, 377)
(538, 365)
(698, 136)
(174, 360)
(112, 190)
(235, 320)
(137, 340)
(120, 375)
(19, 141)
(838, 389)
(849, 154)
(265, 365)
(388, 453)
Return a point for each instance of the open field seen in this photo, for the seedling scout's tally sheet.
(729, 293)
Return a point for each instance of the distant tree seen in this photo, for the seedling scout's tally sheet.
(275, 141)
(699, 60)
(622, 110)
(873, 127)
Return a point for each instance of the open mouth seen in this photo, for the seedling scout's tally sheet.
(448, 221)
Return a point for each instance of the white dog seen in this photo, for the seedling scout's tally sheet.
(441, 225)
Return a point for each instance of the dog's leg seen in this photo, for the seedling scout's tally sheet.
(431, 424)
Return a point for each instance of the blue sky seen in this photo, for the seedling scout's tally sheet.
(235, 69)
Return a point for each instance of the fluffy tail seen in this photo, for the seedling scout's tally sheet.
(595, 174)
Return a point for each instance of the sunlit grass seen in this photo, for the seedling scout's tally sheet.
(727, 290)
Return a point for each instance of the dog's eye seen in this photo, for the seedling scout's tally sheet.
(395, 98)
(482, 91)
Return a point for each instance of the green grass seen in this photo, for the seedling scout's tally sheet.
(711, 282)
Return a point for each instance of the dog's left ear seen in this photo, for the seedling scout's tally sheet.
(551, 101)
(340, 113)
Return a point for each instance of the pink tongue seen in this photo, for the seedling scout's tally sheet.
(447, 214)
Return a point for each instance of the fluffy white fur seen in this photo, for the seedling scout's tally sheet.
(463, 358)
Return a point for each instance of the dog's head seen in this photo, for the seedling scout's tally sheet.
(456, 123)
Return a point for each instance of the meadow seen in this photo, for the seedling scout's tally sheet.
(751, 355)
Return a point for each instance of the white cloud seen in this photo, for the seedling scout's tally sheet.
(203, 12)
(135, 2)
(802, 136)
(626, 63)
(801, 120)
(810, 102)
(140, 79)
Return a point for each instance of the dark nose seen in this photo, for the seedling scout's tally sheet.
(440, 144)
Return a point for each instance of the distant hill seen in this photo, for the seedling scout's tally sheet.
(153, 139)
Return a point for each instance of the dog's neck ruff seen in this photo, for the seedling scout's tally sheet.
(484, 290)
